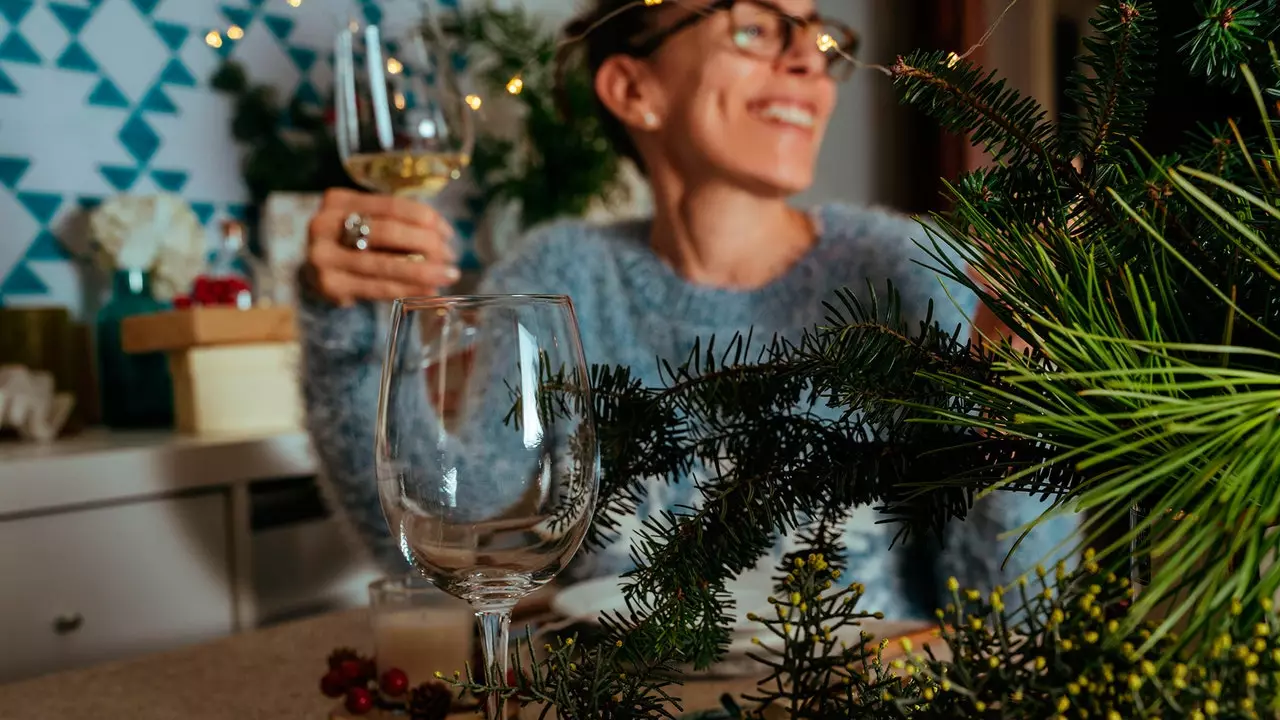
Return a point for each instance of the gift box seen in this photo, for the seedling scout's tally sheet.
(233, 370)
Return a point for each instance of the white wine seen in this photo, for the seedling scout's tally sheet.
(406, 172)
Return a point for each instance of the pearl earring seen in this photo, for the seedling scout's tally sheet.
(650, 120)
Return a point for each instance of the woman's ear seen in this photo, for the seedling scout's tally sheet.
(627, 89)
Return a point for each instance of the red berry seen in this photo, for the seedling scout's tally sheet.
(333, 684)
(394, 682)
(359, 701)
(351, 670)
(181, 302)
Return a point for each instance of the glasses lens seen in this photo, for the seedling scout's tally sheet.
(758, 31)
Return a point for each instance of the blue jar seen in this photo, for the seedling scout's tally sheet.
(136, 390)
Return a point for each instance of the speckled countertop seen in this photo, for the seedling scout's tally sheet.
(269, 674)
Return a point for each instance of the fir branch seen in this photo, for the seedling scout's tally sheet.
(1113, 106)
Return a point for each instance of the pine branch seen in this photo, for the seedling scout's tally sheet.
(1113, 104)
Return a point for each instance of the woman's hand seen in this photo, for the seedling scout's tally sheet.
(409, 251)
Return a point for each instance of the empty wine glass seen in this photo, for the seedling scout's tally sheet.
(486, 450)
(403, 125)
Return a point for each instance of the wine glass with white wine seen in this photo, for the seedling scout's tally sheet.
(404, 125)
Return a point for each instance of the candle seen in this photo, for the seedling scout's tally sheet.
(423, 641)
(419, 629)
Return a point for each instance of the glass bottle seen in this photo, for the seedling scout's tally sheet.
(136, 390)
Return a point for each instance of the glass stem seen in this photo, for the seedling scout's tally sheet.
(495, 627)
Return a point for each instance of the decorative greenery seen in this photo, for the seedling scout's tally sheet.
(561, 163)
(1146, 290)
(288, 148)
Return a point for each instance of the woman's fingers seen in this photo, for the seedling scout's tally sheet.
(344, 288)
(410, 250)
(389, 207)
(410, 270)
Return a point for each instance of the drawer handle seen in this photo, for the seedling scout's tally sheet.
(67, 624)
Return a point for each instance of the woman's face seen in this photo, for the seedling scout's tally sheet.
(733, 115)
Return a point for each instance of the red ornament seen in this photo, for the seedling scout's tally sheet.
(359, 701)
(333, 684)
(352, 670)
(181, 302)
(394, 682)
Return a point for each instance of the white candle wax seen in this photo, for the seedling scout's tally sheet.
(422, 641)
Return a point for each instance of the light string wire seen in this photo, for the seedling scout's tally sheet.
(826, 43)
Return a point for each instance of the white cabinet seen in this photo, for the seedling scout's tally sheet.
(81, 586)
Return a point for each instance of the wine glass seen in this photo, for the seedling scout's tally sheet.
(486, 452)
(403, 125)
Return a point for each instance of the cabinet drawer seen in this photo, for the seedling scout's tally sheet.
(92, 585)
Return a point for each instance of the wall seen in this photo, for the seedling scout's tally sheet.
(861, 159)
(99, 97)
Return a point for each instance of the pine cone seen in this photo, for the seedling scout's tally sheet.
(337, 657)
(430, 701)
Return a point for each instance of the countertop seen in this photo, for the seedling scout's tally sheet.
(271, 674)
(112, 466)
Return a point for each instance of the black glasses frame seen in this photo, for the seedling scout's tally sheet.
(847, 44)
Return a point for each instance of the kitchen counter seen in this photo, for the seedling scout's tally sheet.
(269, 674)
(106, 466)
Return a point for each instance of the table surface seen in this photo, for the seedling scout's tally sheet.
(269, 674)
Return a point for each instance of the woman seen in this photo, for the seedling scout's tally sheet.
(724, 108)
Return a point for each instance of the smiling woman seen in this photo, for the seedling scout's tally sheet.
(724, 105)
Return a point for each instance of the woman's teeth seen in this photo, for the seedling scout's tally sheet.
(787, 115)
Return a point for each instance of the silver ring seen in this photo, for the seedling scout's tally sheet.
(355, 232)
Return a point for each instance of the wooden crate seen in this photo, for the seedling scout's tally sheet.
(204, 327)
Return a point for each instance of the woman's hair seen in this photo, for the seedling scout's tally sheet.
(605, 29)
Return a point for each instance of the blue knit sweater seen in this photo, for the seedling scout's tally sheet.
(633, 310)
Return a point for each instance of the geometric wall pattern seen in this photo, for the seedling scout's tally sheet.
(102, 97)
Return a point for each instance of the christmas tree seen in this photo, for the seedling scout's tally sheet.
(1144, 293)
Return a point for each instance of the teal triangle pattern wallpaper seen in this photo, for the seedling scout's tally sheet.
(102, 97)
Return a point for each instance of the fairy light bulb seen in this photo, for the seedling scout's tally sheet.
(516, 85)
(235, 32)
(952, 60)
(651, 3)
(295, 3)
(474, 102)
(394, 66)
(213, 39)
(826, 43)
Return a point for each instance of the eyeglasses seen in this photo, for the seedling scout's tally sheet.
(761, 29)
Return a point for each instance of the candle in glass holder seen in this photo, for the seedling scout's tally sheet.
(418, 628)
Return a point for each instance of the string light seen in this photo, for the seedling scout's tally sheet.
(394, 66)
(213, 39)
(474, 102)
(826, 43)
(295, 3)
(235, 32)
